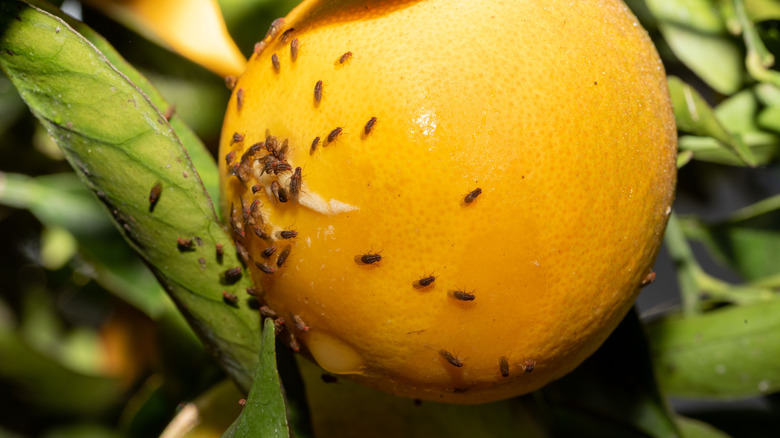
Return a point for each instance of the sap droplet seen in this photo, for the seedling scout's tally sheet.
(333, 355)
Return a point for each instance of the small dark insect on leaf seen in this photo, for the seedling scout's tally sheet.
(314, 145)
(369, 125)
(368, 258)
(299, 324)
(275, 62)
(424, 282)
(232, 275)
(648, 279)
(317, 92)
(345, 57)
(256, 188)
(229, 298)
(529, 365)
(230, 82)
(503, 365)
(240, 99)
(237, 138)
(334, 135)
(265, 268)
(185, 244)
(169, 112)
(472, 195)
(268, 252)
(295, 182)
(449, 357)
(220, 253)
(267, 312)
(329, 378)
(288, 234)
(294, 45)
(283, 256)
(463, 295)
(154, 196)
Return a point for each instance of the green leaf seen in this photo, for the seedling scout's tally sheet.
(122, 147)
(695, 116)
(197, 151)
(748, 241)
(696, 33)
(613, 393)
(264, 414)
(726, 353)
(763, 146)
(691, 428)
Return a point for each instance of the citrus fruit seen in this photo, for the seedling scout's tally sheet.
(447, 200)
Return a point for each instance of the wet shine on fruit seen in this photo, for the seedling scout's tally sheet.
(465, 196)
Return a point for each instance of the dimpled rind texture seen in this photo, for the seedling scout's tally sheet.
(557, 110)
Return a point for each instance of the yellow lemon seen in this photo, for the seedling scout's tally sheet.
(448, 200)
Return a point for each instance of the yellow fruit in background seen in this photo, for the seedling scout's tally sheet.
(558, 111)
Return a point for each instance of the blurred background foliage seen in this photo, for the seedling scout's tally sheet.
(91, 346)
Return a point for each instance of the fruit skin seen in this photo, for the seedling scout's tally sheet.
(557, 110)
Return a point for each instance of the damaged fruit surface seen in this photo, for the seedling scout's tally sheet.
(452, 201)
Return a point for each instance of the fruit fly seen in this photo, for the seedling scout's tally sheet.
(230, 157)
(334, 135)
(345, 57)
(242, 253)
(314, 145)
(468, 199)
(369, 125)
(229, 298)
(503, 365)
(232, 275)
(283, 256)
(252, 292)
(220, 253)
(529, 365)
(275, 62)
(280, 193)
(369, 258)
(169, 112)
(256, 188)
(268, 252)
(230, 82)
(463, 295)
(294, 45)
(265, 268)
(288, 234)
(295, 182)
(238, 226)
(267, 312)
(299, 324)
(424, 282)
(184, 244)
(449, 357)
(278, 325)
(154, 196)
(237, 138)
(317, 92)
(286, 35)
(240, 99)
(648, 279)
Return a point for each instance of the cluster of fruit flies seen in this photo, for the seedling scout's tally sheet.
(275, 162)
